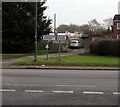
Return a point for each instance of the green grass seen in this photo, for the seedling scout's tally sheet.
(74, 60)
(13, 54)
(17, 55)
(43, 52)
(39, 52)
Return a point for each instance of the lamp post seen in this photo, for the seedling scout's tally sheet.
(55, 33)
(35, 54)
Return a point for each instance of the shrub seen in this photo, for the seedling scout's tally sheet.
(106, 47)
(115, 48)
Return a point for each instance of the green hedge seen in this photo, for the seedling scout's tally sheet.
(106, 48)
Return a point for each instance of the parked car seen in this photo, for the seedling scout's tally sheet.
(74, 44)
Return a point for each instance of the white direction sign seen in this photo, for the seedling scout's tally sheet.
(53, 37)
(48, 37)
(62, 37)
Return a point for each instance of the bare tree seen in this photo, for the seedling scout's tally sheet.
(108, 22)
(94, 25)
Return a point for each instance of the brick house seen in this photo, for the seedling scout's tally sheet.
(116, 26)
(114, 35)
(92, 38)
(116, 29)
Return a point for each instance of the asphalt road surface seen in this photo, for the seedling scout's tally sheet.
(59, 87)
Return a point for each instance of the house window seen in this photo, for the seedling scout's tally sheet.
(118, 25)
(94, 39)
(118, 36)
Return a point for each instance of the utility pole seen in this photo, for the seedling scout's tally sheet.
(35, 54)
(55, 33)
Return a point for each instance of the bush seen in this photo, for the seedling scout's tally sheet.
(106, 47)
(42, 44)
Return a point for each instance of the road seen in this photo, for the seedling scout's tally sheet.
(59, 87)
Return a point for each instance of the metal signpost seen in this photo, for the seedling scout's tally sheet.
(61, 38)
(47, 47)
(54, 38)
(35, 53)
(59, 50)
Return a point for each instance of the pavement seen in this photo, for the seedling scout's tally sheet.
(66, 67)
(6, 64)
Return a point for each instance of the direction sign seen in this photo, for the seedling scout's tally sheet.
(53, 37)
(48, 37)
(62, 37)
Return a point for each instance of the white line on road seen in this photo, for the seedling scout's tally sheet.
(34, 91)
(37, 85)
(7, 90)
(74, 86)
(62, 91)
(90, 92)
(116, 93)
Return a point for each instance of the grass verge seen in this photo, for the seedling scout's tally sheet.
(17, 55)
(39, 52)
(74, 60)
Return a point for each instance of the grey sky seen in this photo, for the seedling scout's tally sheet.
(81, 11)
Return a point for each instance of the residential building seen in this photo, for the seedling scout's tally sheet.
(116, 29)
(115, 34)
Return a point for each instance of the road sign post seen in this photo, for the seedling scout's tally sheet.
(54, 37)
(35, 53)
(59, 49)
(47, 47)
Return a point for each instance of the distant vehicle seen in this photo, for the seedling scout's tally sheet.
(74, 44)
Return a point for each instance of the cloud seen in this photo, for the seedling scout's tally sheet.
(81, 3)
(81, 11)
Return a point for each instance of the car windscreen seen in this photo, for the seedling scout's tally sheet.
(73, 42)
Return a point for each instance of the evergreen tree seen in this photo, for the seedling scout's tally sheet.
(18, 25)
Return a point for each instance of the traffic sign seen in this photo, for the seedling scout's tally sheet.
(54, 37)
(48, 37)
(47, 46)
(62, 37)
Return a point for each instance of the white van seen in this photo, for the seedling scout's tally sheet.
(74, 44)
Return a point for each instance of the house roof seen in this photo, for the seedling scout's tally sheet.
(116, 17)
(95, 35)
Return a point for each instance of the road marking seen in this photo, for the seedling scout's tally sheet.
(29, 85)
(116, 93)
(74, 86)
(62, 91)
(7, 90)
(90, 92)
(34, 91)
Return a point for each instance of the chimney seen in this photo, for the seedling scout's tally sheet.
(119, 7)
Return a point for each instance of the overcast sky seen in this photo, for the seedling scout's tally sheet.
(81, 11)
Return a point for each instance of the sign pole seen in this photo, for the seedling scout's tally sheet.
(35, 55)
(47, 52)
(59, 50)
(54, 24)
